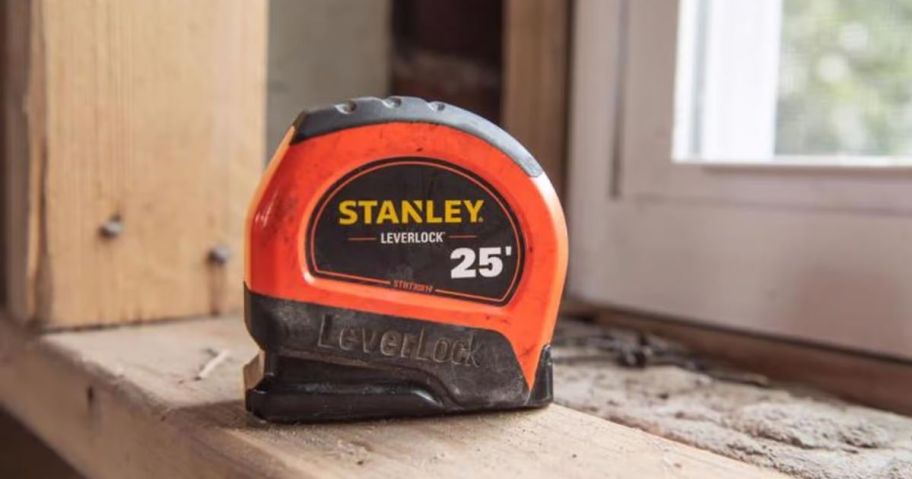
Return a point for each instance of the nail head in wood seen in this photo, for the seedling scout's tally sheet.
(219, 254)
(112, 228)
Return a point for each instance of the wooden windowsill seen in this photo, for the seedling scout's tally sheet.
(126, 403)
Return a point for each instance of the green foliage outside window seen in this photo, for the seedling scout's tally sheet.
(845, 81)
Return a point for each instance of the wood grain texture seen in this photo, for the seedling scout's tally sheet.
(147, 112)
(124, 403)
(871, 380)
(534, 105)
(22, 106)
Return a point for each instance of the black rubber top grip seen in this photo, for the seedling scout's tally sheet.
(370, 111)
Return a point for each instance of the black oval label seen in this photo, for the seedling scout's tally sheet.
(420, 225)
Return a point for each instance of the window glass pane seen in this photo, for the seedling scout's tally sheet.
(779, 81)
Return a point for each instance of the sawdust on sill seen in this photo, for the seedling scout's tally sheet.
(667, 392)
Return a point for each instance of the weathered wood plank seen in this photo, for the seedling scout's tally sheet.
(534, 106)
(147, 114)
(124, 403)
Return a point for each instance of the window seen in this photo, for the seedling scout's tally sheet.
(745, 163)
(823, 82)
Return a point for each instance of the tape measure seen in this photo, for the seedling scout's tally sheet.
(403, 258)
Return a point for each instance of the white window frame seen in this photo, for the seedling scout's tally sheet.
(734, 118)
(819, 253)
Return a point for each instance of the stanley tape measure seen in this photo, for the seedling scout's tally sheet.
(403, 258)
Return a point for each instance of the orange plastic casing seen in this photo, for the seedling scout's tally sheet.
(300, 174)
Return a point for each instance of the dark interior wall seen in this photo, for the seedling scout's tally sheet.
(25, 456)
(449, 50)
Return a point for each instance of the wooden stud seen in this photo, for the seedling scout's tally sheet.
(133, 141)
(534, 106)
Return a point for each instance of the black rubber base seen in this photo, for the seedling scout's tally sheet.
(324, 364)
(331, 392)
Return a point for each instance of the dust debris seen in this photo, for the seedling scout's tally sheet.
(658, 386)
(218, 358)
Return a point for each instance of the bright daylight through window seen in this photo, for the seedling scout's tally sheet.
(823, 82)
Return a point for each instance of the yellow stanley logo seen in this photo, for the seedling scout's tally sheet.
(373, 212)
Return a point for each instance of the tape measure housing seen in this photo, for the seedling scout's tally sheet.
(403, 258)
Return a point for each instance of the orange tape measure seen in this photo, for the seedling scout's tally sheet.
(403, 258)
